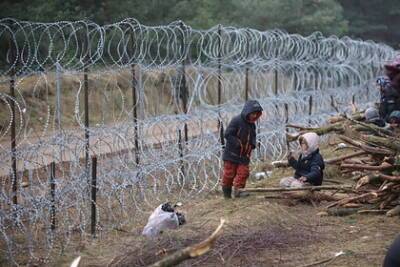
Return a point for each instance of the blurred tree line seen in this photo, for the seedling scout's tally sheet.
(372, 19)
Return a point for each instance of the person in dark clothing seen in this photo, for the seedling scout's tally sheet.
(392, 258)
(240, 136)
(309, 167)
(372, 116)
(390, 91)
(394, 120)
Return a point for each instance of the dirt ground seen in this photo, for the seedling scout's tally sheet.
(259, 231)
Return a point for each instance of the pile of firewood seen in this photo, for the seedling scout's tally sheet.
(373, 164)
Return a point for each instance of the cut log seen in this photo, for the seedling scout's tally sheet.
(390, 143)
(353, 199)
(371, 127)
(310, 196)
(369, 149)
(192, 251)
(359, 116)
(388, 200)
(393, 212)
(372, 211)
(341, 211)
(383, 166)
(368, 179)
(337, 128)
(341, 158)
(279, 189)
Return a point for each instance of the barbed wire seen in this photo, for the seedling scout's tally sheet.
(158, 96)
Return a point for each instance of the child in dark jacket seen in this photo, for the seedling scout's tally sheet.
(372, 116)
(392, 258)
(240, 138)
(309, 166)
(390, 91)
(394, 120)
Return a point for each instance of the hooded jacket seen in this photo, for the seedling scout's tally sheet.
(390, 100)
(372, 116)
(240, 135)
(394, 115)
(392, 258)
(310, 163)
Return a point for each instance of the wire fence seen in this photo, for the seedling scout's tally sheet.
(98, 122)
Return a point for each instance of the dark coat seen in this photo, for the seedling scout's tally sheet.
(390, 100)
(240, 135)
(392, 258)
(312, 167)
(378, 122)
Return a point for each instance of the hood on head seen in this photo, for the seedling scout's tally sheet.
(394, 115)
(249, 107)
(393, 68)
(394, 64)
(312, 140)
(371, 114)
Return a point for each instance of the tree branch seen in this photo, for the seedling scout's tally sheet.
(192, 251)
(277, 189)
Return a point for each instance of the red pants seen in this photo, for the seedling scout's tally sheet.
(235, 174)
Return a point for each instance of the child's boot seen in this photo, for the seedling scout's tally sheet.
(237, 193)
(227, 190)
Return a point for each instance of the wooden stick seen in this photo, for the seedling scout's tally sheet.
(370, 149)
(390, 143)
(372, 211)
(192, 251)
(310, 196)
(280, 164)
(333, 181)
(351, 199)
(278, 189)
(337, 127)
(393, 212)
(359, 116)
(372, 127)
(318, 263)
(339, 159)
(339, 212)
(383, 166)
(388, 200)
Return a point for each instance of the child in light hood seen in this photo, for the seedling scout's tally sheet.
(309, 167)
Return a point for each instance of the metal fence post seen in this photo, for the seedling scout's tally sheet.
(58, 96)
(310, 106)
(184, 92)
(93, 196)
(13, 124)
(53, 196)
(135, 115)
(86, 106)
(219, 90)
(182, 166)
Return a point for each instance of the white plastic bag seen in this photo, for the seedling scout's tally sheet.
(159, 221)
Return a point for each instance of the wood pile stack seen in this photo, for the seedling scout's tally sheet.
(374, 164)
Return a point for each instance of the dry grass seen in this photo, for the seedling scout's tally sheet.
(258, 232)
